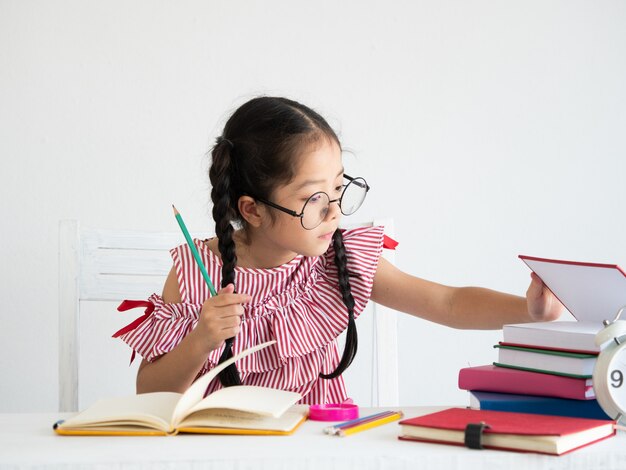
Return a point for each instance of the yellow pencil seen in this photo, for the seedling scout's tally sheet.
(370, 424)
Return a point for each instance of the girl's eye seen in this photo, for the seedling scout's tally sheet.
(315, 198)
(339, 189)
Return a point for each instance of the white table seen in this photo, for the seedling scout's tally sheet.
(27, 442)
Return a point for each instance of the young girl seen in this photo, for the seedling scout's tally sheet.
(287, 272)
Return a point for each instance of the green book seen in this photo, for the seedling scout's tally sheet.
(569, 364)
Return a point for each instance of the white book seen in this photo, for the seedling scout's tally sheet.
(552, 362)
(568, 335)
(592, 293)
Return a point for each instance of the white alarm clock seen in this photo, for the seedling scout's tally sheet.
(609, 373)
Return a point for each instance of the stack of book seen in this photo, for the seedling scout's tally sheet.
(547, 368)
(538, 376)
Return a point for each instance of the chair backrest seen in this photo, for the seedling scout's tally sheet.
(113, 265)
(102, 265)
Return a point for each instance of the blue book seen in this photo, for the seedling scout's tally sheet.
(537, 405)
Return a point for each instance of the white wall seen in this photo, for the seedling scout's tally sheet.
(486, 129)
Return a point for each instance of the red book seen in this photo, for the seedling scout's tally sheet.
(491, 378)
(520, 432)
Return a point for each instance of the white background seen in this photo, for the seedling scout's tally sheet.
(485, 128)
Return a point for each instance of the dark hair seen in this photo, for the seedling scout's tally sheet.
(256, 153)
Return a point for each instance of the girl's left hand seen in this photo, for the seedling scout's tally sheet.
(542, 304)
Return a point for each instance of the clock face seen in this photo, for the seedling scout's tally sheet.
(616, 378)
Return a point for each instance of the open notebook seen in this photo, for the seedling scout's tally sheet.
(233, 410)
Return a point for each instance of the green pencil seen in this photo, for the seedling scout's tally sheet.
(194, 251)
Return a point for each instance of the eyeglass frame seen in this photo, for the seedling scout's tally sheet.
(330, 201)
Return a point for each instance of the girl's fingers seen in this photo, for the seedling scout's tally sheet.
(536, 286)
(229, 289)
(230, 299)
(226, 296)
(228, 311)
(230, 332)
(231, 322)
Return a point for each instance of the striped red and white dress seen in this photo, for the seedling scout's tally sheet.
(297, 304)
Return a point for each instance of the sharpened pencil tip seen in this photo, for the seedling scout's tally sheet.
(175, 211)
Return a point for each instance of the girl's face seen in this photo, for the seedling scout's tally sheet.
(319, 169)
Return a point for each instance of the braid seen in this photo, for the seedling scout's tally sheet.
(352, 340)
(223, 213)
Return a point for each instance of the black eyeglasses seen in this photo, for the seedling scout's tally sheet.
(317, 205)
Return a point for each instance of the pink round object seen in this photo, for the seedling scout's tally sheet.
(334, 412)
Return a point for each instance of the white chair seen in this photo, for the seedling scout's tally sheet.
(112, 265)
(103, 265)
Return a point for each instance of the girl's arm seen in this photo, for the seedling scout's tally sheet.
(461, 307)
(176, 370)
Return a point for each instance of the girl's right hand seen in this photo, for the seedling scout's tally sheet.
(220, 317)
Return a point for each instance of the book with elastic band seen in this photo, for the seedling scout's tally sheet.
(520, 432)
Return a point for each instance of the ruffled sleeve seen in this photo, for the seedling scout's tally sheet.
(363, 247)
(163, 329)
